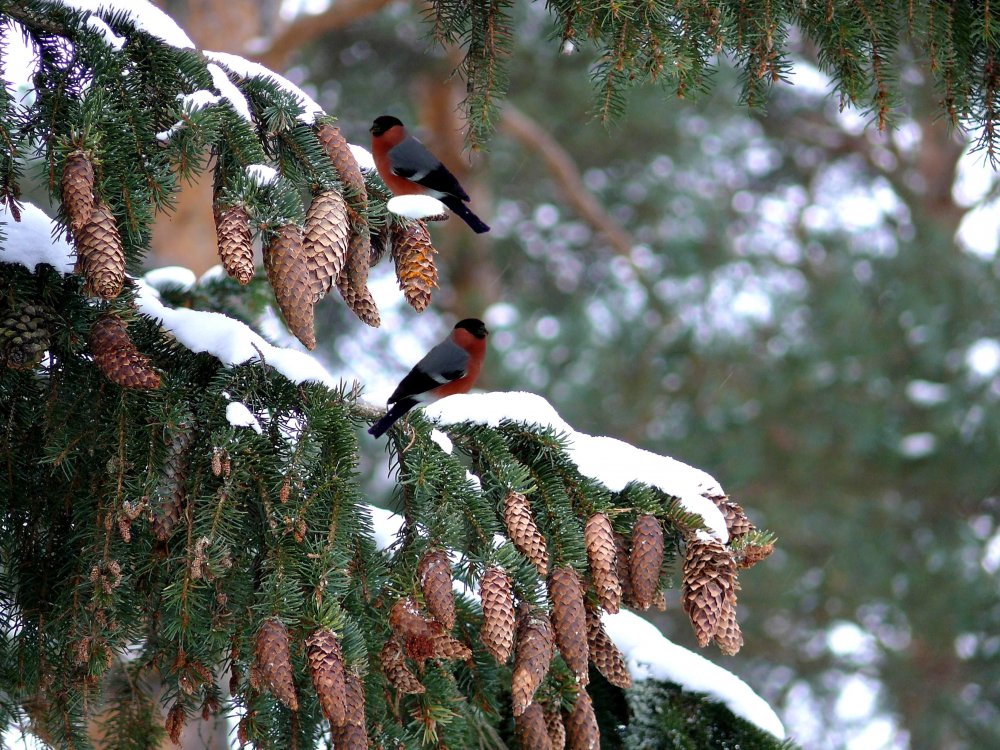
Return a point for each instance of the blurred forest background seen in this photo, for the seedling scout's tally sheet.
(803, 304)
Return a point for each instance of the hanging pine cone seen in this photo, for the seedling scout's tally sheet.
(554, 724)
(396, 671)
(352, 735)
(751, 554)
(413, 254)
(344, 163)
(78, 189)
(452, 649)
(418, 633)
(569, 621)
(353, 280)
(326, 236)
(709, 580)
(100, 255)
(289, 275)
(434, 574)
(24, 337)
(581, 725)
(175, 721)
(326, 667)
(622, 567)
(646, 559)
(532, 734)
(532, 657)
(116, 356)
(171, 491)
(274, 660)
(496, 591)
(523, 531)
(604, 653)
(235, 242)
(601, 552)
(728, 635)
(380, 242)
(737, 523)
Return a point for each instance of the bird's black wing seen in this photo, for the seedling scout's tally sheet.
(411, 159)
(444, 363)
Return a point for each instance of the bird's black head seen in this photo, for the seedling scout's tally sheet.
(383, 123)
(474, 326)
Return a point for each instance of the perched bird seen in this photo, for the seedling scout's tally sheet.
(408, 168)
(450, 367)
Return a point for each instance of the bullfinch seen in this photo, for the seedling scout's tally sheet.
(450, 367)
(408, 168)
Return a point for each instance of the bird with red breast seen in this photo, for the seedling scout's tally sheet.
(408, 168)
(450, 367)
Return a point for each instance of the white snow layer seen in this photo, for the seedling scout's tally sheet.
(612, 462)
(262, 174)
(442, 441)
(30, 241)
(229, 91)
(415, 206)
(238, 415)
(363, 157)
(243, 67)
(198, 100)
(648, 653)
(113, 40)
(143, 14)
(170, 276)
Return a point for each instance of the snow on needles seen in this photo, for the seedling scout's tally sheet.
(612, 462)
(648, 653)
(143, 14)
(238, 415)
(30, 241)
(243, 67)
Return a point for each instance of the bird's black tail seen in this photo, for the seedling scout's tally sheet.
(398, 409)
(463, 212)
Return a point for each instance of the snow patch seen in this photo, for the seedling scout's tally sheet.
(262, 174)
(110, 37)
(238, 415)
(197, 100)
(243, 67)
(170, 276)
(363, 157)
(146, 17)
(415, 206)
(442, 441)
(227, 89)
(30, 241)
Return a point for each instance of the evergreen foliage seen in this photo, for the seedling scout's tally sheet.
(144, 538)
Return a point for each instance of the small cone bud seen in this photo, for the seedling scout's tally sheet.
(496, 591)
(274, 660)
(396, 671)
(646, 559)
(325, 242)
(523, 531)
(752, 554)
(288, 273)
(531, 731)
(532, 657)
(171, 491)
(708, 587)
(116, 356)
(604, 654)
(434, 573)
(413, 254)
(175, 721)
(235, 241)
(581, 725)
(326, 667)
(78, 189)
(569, 621)
(24, 337)
(601, 552)
(100, 255)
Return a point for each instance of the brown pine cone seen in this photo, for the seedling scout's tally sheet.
(531, 731)
(116, 356)
(737, 523)
(728, 635)
(569, 621)
(708, 582)
(353, 280)
(604, 653)
(352, 735)
(274, 660)
(326, 236)
(523, 531)
(413, 254)
(751, 554)
(581, 725)
(171, 492)
(396, 671)
(622, 567)
(554, 724)
(434, 573)
(496, 591)
(418, 633)
(646, 559)
(326, 667)
(25, 336)
(175, 721)
(289, 275)
(78, 189)
(344, 163)
(100, 255)
(235, 242)
(446, 647)
(601, 552)
(532, 657)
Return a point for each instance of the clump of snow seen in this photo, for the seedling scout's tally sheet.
(650, 655)
(197, 100)
(238, 415)
(363, 157)
(215, 273)
(612, 462)
(262, 174)
(442, 441)
(170, 276)
(229, 92)
(110, 37)
(243, 67)
(415, 206)
(386, 525)
(143, 14)
(33, 240)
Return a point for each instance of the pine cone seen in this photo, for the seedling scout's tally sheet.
(646, 559)
(532, 658)
(531, 731)
(555, 726)
(569, 621)
(116, 356)
(327, 230)
(496, 591)
(523, 531)
(235, 241)
(274, 660)
(604, 654)
(78, 190)
(24, 337)
(446, 647)
(396, 671)
(352, 735)
(581, 725)
(345, 164)
(622, 567)
(175, 721)
(601, 552)
(171, 492)
(100, 255)
(288, 273)
(413, 254)
(353, 280)
(728, 635)
(737, 523)
(326, 667)
(709, 580)
(752, 554)
(418, 633)
(434, 573)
